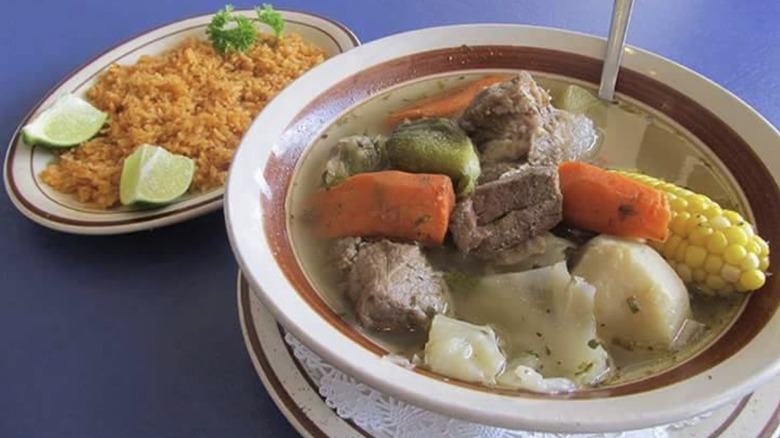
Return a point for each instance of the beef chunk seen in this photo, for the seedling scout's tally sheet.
(494, 171)
(547, 149)
(344, 252)
(514, 122)
(524, 187)
(508, 211)
(391, 285)
(502, 119)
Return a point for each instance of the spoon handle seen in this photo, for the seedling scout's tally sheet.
(621, 14)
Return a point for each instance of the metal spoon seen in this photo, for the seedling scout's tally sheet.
(621, 14)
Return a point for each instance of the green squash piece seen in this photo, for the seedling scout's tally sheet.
(435, 146)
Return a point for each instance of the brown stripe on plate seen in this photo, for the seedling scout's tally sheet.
(748, 170)
(265, 365)
(771, 427)
(257, 348)
(15, 140)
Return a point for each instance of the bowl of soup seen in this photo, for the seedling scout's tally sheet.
(451, 216)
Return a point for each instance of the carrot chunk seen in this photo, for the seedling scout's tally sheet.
(446, 104)
(390, 204)
(606, 202)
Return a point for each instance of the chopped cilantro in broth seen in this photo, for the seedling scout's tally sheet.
(633, 305)
(630, 138)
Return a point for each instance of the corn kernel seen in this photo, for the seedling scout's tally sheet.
(763, 263)
(727, 290)
(704, 199)
(720, 223)
(748, 229)
(715, 283)
(713, 264)
(762, 243)
(699, 275)
(713, 212)
(682, 250)
(684, 193)
(733, 217)
(678, 204)
(685, 273)
(734, 254)
(750, 262)
(679, 223)
(752, 280)
(670, 188)
(730, 273)
(717, 243)
(698, 203)
(741, 288)
(695, 256)
(736, 236)
(753, 247)
(693, 223)
(699, 235)
(670, 249)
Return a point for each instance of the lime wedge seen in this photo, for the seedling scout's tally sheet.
(576, 99)
(69, 122)
(155, 176)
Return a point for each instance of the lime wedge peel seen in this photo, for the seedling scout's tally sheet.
(70, 121)
(153, 175)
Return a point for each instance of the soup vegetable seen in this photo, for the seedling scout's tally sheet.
(478, 233)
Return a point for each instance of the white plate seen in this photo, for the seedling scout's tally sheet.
(62, 212)
(287, 379)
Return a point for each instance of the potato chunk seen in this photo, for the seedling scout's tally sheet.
(640, 300)
(463, 351)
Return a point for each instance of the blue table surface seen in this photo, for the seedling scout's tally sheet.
(138, 335)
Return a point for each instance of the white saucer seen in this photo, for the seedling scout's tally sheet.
(288, 379)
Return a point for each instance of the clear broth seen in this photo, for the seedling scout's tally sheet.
(630, 137)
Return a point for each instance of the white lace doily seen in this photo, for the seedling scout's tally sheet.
(385, 417)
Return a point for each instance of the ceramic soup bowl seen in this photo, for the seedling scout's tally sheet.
(736, 140)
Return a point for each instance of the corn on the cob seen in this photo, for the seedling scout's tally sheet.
(713, 248)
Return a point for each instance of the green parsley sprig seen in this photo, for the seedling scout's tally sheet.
(272, 18)
(230, 32)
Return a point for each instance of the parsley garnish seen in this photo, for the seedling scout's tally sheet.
(230, 32)
(272, 18)
(226, 38)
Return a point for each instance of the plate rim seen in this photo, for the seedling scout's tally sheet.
(202, 203)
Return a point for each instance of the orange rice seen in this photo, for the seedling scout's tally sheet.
(190, 100)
